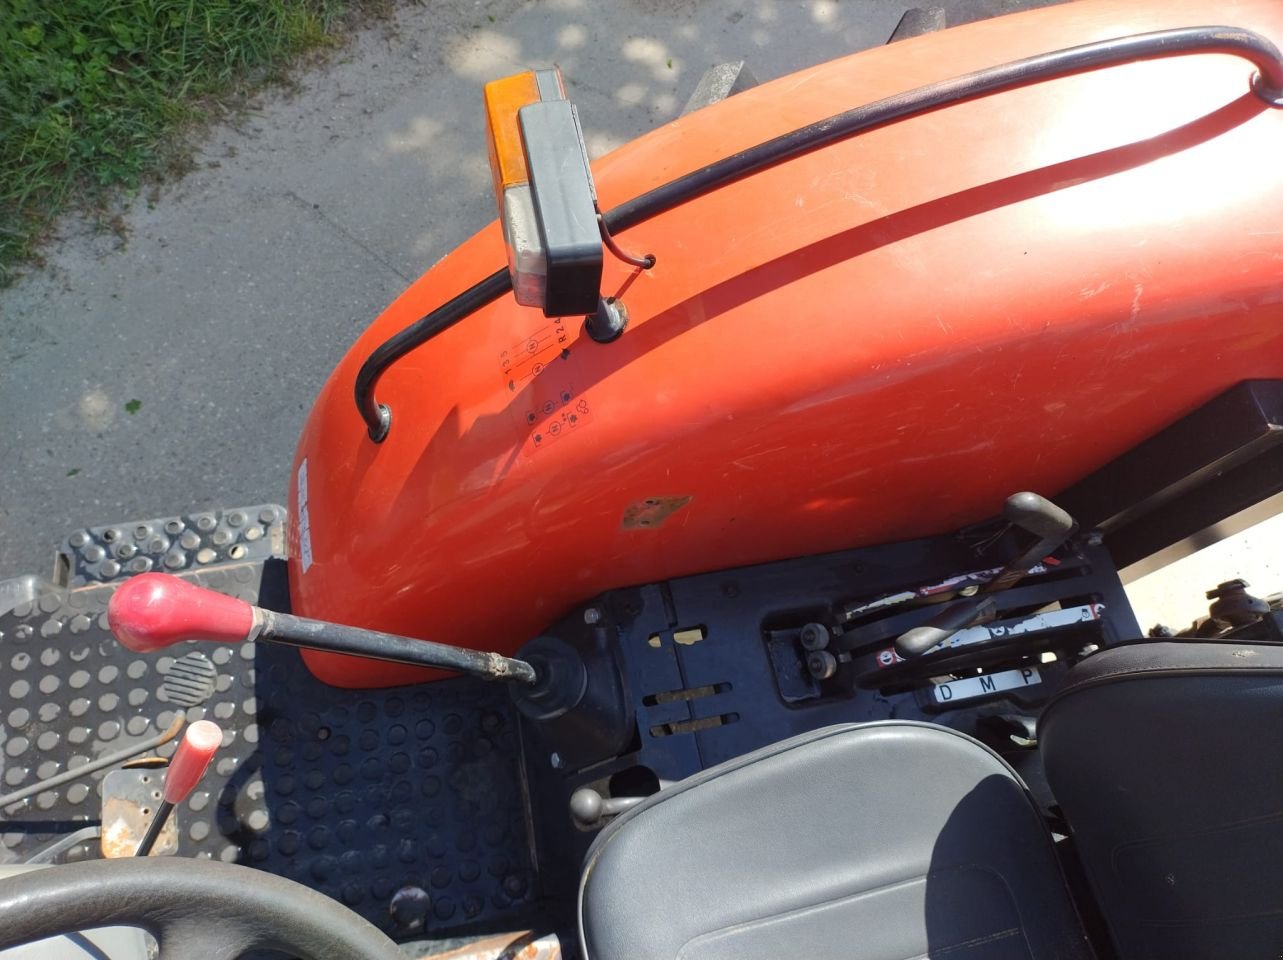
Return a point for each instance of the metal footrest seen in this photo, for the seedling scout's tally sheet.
(405, 804)
(172, 544)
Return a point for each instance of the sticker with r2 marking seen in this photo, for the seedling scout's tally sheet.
(969, 688)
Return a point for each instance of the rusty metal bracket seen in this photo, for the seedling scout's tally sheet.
(129, 801)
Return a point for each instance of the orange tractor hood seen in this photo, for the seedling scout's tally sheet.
(876, 341)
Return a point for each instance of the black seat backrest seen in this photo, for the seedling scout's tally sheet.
(1167, 760)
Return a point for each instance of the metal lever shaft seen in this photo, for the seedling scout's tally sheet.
(956, 616)
(589, 808)
(192, 758)
(1029, 511)
(155, 610)
(1046, 521)
(93, 766)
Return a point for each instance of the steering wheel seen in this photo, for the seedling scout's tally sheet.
(194, 908)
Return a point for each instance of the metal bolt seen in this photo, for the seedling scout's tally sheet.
(592, 615)
(555, 760)
(814, 636)
(608, 322)
(409, 908)
(821, 664)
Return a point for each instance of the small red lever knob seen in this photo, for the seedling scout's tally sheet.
(200, 741)
(156, 610)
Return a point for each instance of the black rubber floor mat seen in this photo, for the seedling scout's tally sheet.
(410, 796)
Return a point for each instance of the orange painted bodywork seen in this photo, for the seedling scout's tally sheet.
(877, 341)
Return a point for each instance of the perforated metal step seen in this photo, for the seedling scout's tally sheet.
(412, 794)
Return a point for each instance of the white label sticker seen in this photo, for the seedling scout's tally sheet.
(1007, 628)
(968, 688)
(304, 525)
(1038, 622)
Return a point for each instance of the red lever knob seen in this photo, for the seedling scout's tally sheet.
(156, 610)
(200, 741)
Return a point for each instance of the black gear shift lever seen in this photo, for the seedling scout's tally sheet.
(1029, 511)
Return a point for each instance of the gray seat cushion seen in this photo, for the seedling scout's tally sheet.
(883, 841)
(1167, 760)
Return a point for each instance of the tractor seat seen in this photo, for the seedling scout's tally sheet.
(1166, 760)
(883, 841)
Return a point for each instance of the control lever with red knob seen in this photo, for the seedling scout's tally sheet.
(156, 610)
(192, 758)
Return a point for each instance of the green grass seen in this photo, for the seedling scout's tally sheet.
(95, 94)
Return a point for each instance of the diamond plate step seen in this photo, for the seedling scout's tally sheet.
(173, 544)
(365, 796)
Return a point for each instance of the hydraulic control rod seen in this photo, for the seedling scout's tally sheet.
(156, 610)
(192, 758)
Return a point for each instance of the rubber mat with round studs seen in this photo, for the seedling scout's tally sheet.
(411, 795)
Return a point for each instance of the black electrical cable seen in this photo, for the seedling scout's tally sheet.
(1251, 46)
(644, 262)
